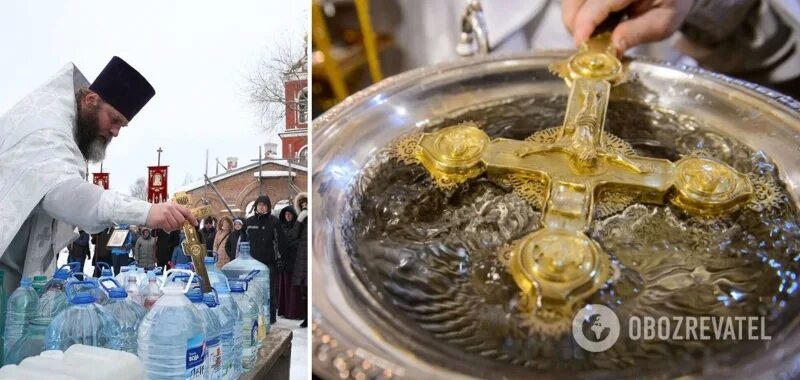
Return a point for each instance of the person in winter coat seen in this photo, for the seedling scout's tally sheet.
(144, 250)
(165, 244)
(209, 232)
(232, 244)
(220, 247)
(300, 274)
(101, 251)
(267, 241)
(289, 298)
(79, 249)
(178, 256)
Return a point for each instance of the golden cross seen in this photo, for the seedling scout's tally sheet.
(192, 246)
(563, 170)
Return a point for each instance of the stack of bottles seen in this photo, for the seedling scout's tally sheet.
(175, 328)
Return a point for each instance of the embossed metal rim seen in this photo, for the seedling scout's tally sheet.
(363, 340)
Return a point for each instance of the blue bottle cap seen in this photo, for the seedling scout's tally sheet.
(117, 293)
(61, 274)
(209, 260)
(194, 295)
(25, 281)
(106, 273)
(83, 298)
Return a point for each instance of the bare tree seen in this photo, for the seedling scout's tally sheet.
(139, 189)
(286, 61)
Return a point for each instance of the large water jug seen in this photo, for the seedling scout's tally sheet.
(150, 291)
(54, 290)
(248, 323)
(79, 362)
(84, 321)
(172, 335)
(129, 315)
(21, 309)
(213, 345)
(227, 327)
(106, 275)
(122, 276)
(3, 308)
(134, 292)
(220, 283)
(51, 303)
(243, 266)
(39, 282)
(140, 274)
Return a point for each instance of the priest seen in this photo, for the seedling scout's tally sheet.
(44, 140)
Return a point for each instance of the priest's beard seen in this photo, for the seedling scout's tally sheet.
(87, 134)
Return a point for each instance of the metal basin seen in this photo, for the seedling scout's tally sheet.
(358, 334)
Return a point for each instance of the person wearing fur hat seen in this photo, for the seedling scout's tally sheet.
(300, 274)
(267, 241)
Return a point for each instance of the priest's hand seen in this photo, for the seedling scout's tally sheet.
(648, 20)
(169, 216)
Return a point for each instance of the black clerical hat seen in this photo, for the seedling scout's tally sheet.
(121, 86)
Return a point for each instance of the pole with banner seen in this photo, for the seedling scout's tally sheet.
(157, 181)
(100, 179)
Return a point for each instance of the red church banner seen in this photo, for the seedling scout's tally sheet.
(157, 184)
(100, 179)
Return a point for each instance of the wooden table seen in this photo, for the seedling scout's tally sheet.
(274, 357)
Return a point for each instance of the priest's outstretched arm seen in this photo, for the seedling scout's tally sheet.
(92, 208)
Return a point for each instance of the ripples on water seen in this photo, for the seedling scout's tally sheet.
(431, 255)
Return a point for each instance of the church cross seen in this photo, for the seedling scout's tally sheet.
(558, 265)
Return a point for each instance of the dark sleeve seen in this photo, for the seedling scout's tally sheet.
(282, 244)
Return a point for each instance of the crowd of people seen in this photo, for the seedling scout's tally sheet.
(277, 237)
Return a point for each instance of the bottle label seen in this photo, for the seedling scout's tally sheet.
(254, 333)
(195, 357)
(227, 363)
(214, 356)
(262, 327)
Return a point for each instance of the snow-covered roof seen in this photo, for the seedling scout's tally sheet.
(230, 173)
(274, 174)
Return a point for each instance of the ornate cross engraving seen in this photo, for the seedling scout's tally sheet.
(562, 171)
(192, 246)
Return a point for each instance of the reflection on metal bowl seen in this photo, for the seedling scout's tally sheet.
(411, 279)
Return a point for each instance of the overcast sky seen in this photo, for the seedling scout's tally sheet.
(196, 54)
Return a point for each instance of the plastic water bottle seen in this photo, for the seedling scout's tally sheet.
(122, 276)
(172, 335)
(227, 327)
(2, 319)
(133, 290)
(54, 295)
(21, 309)
(39, 283)
(213, 345)
(243, 266)
(129, 315)
(106, 275)
(141, 276)
(220, 283)
(84, 321)
(248, 323)
(150, 291)
(51, 303)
